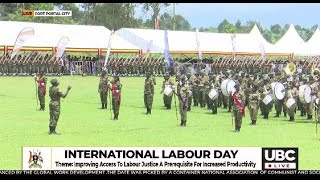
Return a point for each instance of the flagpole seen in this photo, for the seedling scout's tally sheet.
(108, 50)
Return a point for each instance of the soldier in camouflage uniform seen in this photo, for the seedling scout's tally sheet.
(292, 92)
(189, 83)
(149, 91)
(265, 108)
(103, 89)
(167, 83)
(195, 92)
(213, 85)
(55, 95)
(115, 86)
(314, 90)
(238, 106)
(183, 94)
(42, 82)
(253, 102)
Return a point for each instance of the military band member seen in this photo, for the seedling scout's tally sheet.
(42, 82)
(149, 92)
(292, 92)
(238, 106)
(167, 83)
(103, 89)
(115, 86)
(314, 90)
(183, 94)
(253, 102)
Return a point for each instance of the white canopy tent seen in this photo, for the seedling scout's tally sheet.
(289, 42)
(311, 47)
(48, 35)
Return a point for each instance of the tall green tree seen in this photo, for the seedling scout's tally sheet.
(155, 8)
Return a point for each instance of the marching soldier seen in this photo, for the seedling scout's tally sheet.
(103, 89)
(292, 92)
(238, 106)
(55, 95)
(314, 90)
(265, 90)
(213, 85)
(253, 102)
(115, 86)
(167, 83)
(149, 91)
(183, 94)
(195, 91)
(42, 82)
(189, 83)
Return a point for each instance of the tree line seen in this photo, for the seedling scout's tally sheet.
(122, 15)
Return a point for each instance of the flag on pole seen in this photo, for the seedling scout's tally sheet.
(166, 49)
(263, 55)
(233, 38)
(23, 36)
(198, 45)
(109, 48)
(62, 46)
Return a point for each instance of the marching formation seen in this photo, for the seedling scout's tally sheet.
(231, 89)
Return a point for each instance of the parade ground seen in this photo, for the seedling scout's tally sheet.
(82, 123)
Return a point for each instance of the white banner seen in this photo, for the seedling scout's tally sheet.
(62, 46)
(109, 49)
(22, 38)
(142, 158)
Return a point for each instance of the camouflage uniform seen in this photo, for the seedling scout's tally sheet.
(237, 111)
(103, 90)
(253, 103)
(265, 109)
(213, 103)
(42, 82)
(149, 92)
(55, 95)
(184, 92)
(314, 90)
(116, 87)
(292, 92)
(195, 90)
(167, 83)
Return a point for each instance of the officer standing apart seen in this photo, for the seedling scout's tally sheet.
(55, 95)
(42, 82)
(103, 89)
(238, 106)
(149, 92)
(115, 86)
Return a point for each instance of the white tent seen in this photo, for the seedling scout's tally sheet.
(289, 42)
(259, 40)
(48, 35)
(311, 47)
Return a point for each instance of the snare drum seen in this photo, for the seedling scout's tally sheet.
(267, 99)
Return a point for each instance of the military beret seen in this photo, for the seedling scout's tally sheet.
(54, 81)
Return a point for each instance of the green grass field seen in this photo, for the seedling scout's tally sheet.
(82, 123)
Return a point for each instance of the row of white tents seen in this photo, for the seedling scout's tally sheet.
(181, 42)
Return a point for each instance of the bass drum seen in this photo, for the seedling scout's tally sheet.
(290, 102)
(227, 86)
(213, 94)
(305, 94)
(279, 91)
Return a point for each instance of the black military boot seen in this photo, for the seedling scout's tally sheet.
(169, 106)
(252, 122)
(184, 123)
(105, 106)
(309, 117)
(301, 113)
(102, 106)
(115, 117)
(285, 114)
(277, 114)
(54, 131)
(189, 108)
(267, 115)
(147, 111)
(50, 130)
(291, 118)
(264, 115)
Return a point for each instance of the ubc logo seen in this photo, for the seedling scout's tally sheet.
(280, 158)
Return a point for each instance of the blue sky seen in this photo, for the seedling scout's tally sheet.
(211, 14)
